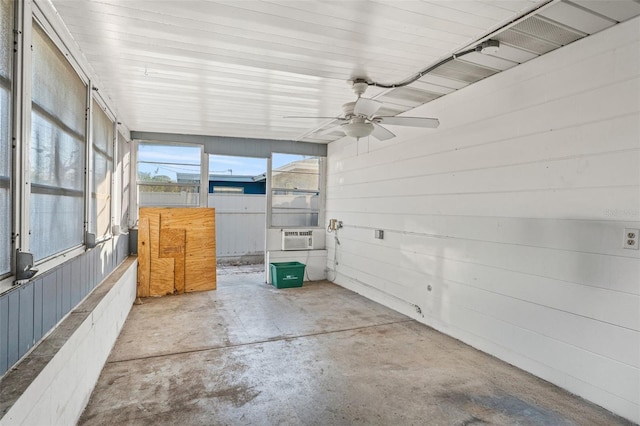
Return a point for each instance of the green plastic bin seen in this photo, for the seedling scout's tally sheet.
(287, 274)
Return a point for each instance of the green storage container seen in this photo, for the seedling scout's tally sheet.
(287, 274)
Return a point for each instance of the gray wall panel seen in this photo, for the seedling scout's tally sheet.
(84, 275)
(97, 271)
(37, 309)
(13, 353)
(31, 311)
(111, 256)
(25, 312)
(102, 258)
(118, 249)
(49, 301)
(59, 292)
(124, 250)
(88, 264)
(114, 256)
(97, 265)
(103, 261)
(67, 278)
(77, 287)
(4, 333)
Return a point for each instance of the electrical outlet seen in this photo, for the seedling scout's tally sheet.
(631, 238)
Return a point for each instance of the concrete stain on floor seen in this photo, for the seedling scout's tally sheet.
(249, 354)
(502, 408)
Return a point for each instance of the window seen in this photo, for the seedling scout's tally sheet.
(237, 175)
(295, 190)
(57, 155)
(6, 41)
(168, 175)
(102, 130)
(124, 158)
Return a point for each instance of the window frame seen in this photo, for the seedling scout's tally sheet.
(122, 203)
(8, 84)
(91, 193)
(321, 191)
(26, 16)
(53, 39)
(204, 173)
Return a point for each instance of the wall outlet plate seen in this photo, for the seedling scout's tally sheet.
(631, 238)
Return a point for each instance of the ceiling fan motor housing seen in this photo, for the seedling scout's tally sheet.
(359, 87)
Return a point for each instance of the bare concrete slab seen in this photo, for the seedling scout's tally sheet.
(250, 354)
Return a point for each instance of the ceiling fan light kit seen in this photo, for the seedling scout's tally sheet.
(357, 129)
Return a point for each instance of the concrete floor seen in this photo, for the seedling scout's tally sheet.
(249, 354)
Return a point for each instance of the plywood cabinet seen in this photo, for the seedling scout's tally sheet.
(176, 250)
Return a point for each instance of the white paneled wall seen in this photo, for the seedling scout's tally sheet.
(504, 227)
(240, 226)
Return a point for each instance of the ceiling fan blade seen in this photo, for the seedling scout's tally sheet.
(381, 133)
(366, 107)
(330, 127)
(430, 123)
(323, 118)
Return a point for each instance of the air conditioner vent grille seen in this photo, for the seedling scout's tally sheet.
(297, 239)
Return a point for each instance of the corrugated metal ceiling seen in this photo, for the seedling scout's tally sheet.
(236, 68)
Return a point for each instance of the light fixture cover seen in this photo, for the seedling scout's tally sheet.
(358, 129)
(490, 47)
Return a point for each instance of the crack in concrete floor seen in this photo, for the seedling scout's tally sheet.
(250, 354)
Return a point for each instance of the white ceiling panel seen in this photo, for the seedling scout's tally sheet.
(408, 96)
(238, 67)
(578, 18)
(620, 10)
(430, 87)
(489, 61)
(514, 54)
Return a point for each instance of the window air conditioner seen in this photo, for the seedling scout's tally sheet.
(297, 240)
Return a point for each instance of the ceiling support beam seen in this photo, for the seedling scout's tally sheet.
(240, 147)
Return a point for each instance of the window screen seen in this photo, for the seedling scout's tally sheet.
(295, 190)
(102, 129)
(6, 41)
(168, 175)
(57, 155)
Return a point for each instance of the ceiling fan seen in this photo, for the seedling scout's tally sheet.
(360, 121)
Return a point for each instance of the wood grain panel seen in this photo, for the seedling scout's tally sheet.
(182, 249)
(144, 257)
(200, 259)
(172, 242)
(172, 245)
(162, 270)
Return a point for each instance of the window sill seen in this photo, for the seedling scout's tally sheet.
(51, 262)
